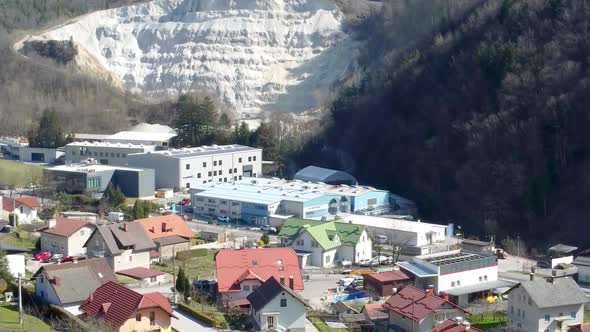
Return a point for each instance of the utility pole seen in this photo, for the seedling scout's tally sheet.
(518, 249)
(174, 273)
(20, 302)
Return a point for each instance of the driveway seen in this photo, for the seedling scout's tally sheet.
(187, 324)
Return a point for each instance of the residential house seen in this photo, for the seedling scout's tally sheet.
(125, 310)
(455, 325)
(24, 208)
(379, 316)
(552, 304)
(170, 233)
(15, 258)
(417, 310)
(69, 284)
(66, 236)
(324, 244)
(241, 271)
(275, 306)
(464, 276)
(582, 262)
(125, 245)
(385, 283)
(144, 277)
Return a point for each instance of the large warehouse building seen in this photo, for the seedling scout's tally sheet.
(189, 167)
(256, 200)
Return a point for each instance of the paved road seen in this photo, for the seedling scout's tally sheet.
(184, 323)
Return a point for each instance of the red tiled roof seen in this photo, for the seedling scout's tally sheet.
(375, 311)
(164, 226)
(415, 303)
(124, 302)
(389, 276)
(66, 227)
(450, 325)
(140, 273)
(260, 263)
(30, 201)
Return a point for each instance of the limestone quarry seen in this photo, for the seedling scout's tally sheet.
(255, 55)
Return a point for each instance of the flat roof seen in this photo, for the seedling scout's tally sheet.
(392, 223)
(563, 248)
(90, 136)
(90, 168)
(480, 287)
(442, 260)
(205, 150)
(112, 144)
(417, 270)
(141, 136)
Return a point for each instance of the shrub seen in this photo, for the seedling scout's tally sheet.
(197, 315)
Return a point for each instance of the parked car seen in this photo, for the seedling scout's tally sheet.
(41, 256)
(54, 258)
(345, 263)
(66, 259)
(224, 219)
(268, 228)
(184, 202)
(351, 281)
(364, 262)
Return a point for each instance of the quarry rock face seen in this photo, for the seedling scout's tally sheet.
(255, 55)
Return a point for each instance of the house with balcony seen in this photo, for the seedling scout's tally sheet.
(551, 304)
(325, 244)
(69, 284)
(122, 309)
(66, 236)
(125, 245)
(416, 310)
(463, 275)
(239, 272)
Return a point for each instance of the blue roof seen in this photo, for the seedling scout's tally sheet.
(326, 175)
(417, 270)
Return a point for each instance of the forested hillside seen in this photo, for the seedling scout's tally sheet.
(29, 87)
(484, 121)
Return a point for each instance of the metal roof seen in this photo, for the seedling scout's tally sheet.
(112, 145)
(560, 292)
(140, 136)
(390, 223)
(205, 150)
(459, 257)
(319, 174)
(480, 287)
(563, 249)
(417, 270)
(91, 168)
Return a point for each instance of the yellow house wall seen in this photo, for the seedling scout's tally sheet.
(162, 322)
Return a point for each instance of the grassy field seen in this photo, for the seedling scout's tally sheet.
(323, 327)
(489, 320)
(19, 238)
(587, 314)
(9, 321)
(18, 174)
(196, 263)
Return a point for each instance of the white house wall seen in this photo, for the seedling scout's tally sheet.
(364, 248)
(138, 259)
(291, 317)
(16, 264)
(44, 290)
(466, 278)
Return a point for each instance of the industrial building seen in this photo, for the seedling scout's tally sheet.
(89, 177)
(189, 167)
(325, 175)
(105, 153)
(256, 201)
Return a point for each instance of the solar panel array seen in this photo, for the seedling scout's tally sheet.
(460, 257)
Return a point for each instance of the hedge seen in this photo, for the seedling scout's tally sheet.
(197, 315)
(191, 253)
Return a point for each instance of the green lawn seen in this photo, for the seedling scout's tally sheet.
(19, 238)
(19, 174)
(221, 319)
(323, 327)
(9, 321)
(488, 320)
(195, 265)
(587, 314)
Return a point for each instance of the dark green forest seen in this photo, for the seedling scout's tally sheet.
(482, 117)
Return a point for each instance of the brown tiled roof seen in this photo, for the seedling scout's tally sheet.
(122, 303)
(450, 325)
(8, 204)
(140, 273)
(165, 226)
(374, 311)
(66, 227)
(415, 303)
(389, 276)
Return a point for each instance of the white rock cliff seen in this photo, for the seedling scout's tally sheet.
(256, 55)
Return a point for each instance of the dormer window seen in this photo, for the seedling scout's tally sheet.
(254, 262)
(279, 261)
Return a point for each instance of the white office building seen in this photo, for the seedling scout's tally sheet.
(105, 153)
(189, 167)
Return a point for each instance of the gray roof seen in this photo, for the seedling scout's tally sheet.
(117, 238)
(262, 295)
(326, 175)
(201, 151)
(174, 239)
(562, 248)
(562, 292)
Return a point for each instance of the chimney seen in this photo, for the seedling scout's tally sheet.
(163, 227)
(282, 280)
(292, 282)
(124, 227)
(444, 296)
(51, 223)
(531, 276)
(57, 281)
(430, 290)
(153, 229)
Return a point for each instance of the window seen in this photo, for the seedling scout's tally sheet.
(235, 204)
(220, 162)
(188, 166)
(41, 279)
(209, 173)
(188, 185)
(95, 153)
(22, 210)
(130, 258)
(112, 155)
(279, 261)
(327, 259)
(124, 155)
(530, 301)
(42, 294)
(372, 201)
(240, 177)
(485, 278)
(235, 178)
(314, 244)
(254, 158)
(523, 313)
(573, 315)
(215, 163)
(118, 155)
(249, 158)
(452, 284)
(239, 160)
(222, 202)
(101, 154)
(458, 282)
(235, 170)
(246, 287)
(204, 164)
(283, 303)
(224, 179)
(198, 175)
(220, 172)
(270, 322)
(219, 180)
(152, 318)
(300, 242)
(560, 314)
(230, 171)
(253, 174)
(547, 318)
(480, 278)
(138, 317)
(214, 172)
